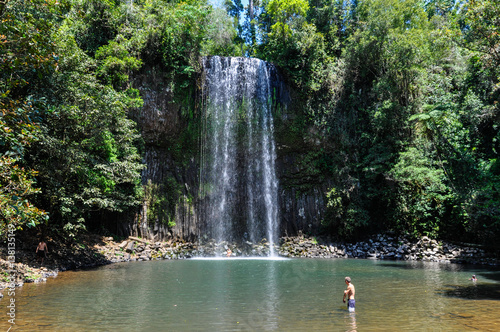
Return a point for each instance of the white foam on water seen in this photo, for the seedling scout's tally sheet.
(270, 258)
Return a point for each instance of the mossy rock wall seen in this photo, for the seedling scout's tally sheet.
(171, 152)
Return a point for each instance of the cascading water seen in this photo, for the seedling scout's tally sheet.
(239, 187)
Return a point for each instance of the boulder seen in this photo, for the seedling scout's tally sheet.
(130, 247)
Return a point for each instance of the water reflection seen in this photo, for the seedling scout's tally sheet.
(265, 313)
(272, 297)
(351, 322)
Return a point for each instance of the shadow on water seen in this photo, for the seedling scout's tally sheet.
(482, 272)
(412, 265)
(492, 275)
(472, 292)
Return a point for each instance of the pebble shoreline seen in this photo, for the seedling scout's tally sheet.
(391, 248)
(107, 251)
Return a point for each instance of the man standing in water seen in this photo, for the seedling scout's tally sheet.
(349, 292)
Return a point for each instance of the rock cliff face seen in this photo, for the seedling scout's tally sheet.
(172, 134)
(302, 211)
(171, 175)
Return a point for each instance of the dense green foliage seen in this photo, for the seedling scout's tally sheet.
(22, 30)
(399, 105)
(405, 95)
(70, 150)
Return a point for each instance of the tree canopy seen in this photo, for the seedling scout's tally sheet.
(402, 95)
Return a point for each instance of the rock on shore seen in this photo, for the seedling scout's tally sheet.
(104, 250)
(91, 252)
(388, 247)
(22, 273)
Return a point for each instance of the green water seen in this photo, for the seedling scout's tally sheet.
(261, 295)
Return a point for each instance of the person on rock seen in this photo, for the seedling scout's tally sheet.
(349, 293)
(42, 250)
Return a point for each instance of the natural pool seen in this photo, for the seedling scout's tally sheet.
(261, 295)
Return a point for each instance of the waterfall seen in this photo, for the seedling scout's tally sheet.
(238, 186)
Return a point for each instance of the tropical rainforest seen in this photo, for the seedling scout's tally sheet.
(402, 95)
